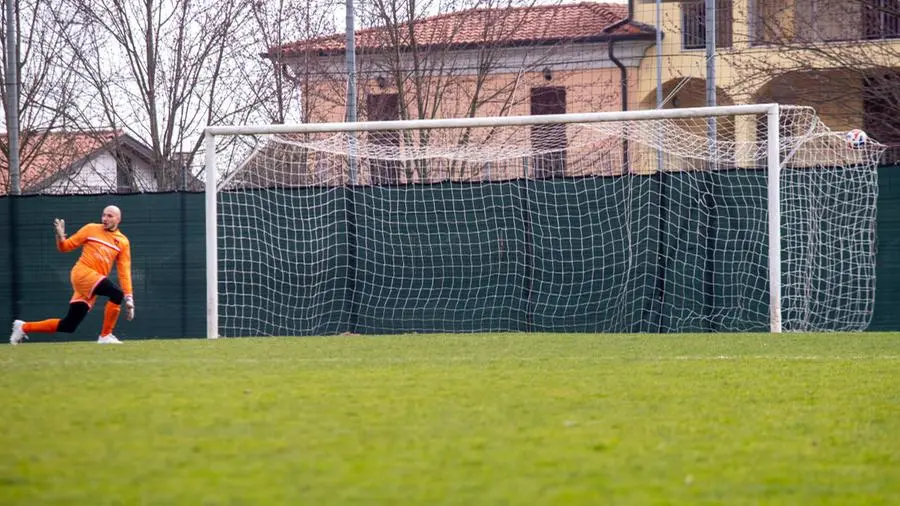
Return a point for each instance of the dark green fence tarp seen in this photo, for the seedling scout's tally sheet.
(887, 280)
(373, 259)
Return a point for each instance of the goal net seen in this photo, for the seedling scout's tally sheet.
(706, 219)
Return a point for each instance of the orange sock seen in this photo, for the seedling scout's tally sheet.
(110, 315)
(41, 327)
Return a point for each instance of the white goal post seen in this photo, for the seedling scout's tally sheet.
(523, 243)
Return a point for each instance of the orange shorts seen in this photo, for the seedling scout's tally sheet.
(84, 282)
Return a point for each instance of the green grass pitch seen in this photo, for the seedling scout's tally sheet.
(455, 419)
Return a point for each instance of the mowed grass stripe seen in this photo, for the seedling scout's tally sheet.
(448, 359)
(455, 419)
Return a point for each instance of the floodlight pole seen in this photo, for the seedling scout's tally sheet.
(12, 133)
(710, 18)
(351, 85)
(12, 99)
(659, 83)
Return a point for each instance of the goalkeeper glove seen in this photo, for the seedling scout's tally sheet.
(59, 226)
(129, 307)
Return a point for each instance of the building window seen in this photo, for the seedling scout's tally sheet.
(767, 20)
(840, 20)
(384, 107)
(693, 24)
(124, 175)
(809, 21)
(881, 19)
(548, 141)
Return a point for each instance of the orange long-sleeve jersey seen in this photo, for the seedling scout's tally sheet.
(101, 249)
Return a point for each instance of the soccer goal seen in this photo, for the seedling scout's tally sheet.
(738, 218)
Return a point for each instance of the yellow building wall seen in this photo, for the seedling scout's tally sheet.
(739, 81)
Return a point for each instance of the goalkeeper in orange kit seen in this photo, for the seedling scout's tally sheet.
(103, 245)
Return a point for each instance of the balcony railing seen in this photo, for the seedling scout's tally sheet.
(774, 21)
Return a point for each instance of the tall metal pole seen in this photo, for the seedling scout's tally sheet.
(12, 133)
(708, 224)
(659, 89)
(12, 99)
(351, 84)
(711, 68)
(350, 210)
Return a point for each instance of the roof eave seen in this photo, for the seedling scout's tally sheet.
(589, 39)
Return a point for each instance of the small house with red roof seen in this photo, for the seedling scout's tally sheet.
(58, 162)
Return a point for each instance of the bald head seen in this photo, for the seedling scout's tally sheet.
(111, 218)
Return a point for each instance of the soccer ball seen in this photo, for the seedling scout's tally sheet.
(856, 138)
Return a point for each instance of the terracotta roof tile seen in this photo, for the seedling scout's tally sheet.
(515, 26)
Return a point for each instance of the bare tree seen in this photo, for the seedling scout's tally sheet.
(162, 71)
(48, 91)
(455, 58)
(431, 55)
(283, 91)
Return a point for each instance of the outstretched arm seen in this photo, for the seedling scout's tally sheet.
(66, 245)
(123, 265)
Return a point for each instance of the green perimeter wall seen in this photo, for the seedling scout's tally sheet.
(167, 231)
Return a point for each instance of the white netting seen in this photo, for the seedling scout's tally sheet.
(639, 225)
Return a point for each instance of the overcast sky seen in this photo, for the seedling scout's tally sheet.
(340, 13)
